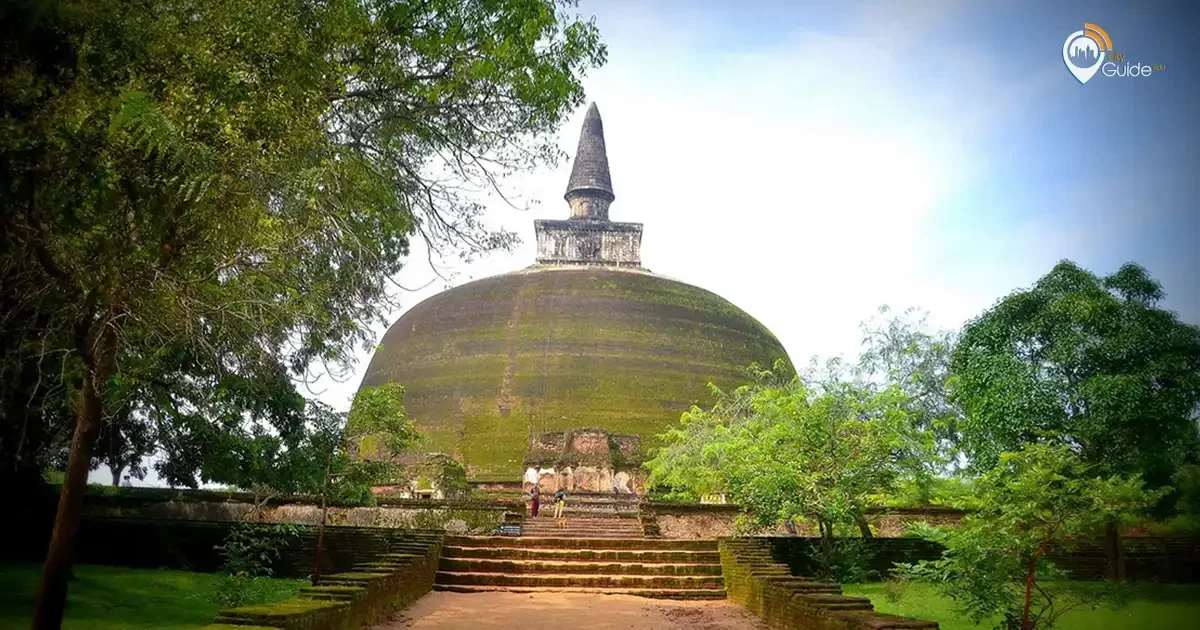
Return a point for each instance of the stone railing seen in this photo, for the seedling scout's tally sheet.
(362, 597)
(769, 590)
(460, 517)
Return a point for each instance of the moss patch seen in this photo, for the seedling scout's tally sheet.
(493, 362)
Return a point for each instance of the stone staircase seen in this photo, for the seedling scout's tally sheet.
(576, 526)
(403, 571)
(578, 562)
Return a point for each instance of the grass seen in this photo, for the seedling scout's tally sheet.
(115, 598)
(1150, 607)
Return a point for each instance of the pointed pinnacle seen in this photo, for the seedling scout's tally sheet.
(589, 175)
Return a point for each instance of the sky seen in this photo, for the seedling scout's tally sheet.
(811, 161)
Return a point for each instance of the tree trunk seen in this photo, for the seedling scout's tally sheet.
(1114, 553)
(1026, 620)
(863, 526)
(116, 473)
(52, 592)
(316, 576)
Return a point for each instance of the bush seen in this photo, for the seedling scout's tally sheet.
(844, 560)
(895, 588)
(249, 551)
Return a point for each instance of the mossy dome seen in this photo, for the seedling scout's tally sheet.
(492, 363)
(585, 338)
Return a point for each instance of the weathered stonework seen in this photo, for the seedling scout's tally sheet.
(586, 337)
(588, 243)
(585, 460)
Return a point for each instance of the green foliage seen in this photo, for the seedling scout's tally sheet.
(204, 200)
(1092, 361)
(438, 470)
(845, 561)
(378, 413)
(249, 552)
(901, 351)
(250, 549)
(921, 491)
(1034, 500)
(784, 450)
(895, 588)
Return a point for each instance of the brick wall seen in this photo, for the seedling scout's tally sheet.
(189, 545)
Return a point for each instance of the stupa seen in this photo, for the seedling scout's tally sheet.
(584, 338)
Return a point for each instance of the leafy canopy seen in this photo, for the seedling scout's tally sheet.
(204, 196)
(1092, 361)
(791, 450)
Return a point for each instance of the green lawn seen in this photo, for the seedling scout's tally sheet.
(1150, 607)
(112, 598)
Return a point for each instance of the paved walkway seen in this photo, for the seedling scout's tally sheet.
(576, 611)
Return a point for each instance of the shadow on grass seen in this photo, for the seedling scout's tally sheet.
(111, 598)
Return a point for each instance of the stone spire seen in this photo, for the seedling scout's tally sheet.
(589, 191)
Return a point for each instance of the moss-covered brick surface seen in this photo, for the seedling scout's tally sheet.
(492, 362)
(767, 588)
(353, 599)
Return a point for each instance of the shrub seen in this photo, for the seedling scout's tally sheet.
(844, 560)
(249, 551)
(895, 588)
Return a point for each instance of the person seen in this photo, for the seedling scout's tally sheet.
(560, 501)
(536, 495)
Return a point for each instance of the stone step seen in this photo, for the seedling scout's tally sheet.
(656, 593)
(598, 530)
(588, 495)
(575, 535)
(584, 555)
(579, 580)
(464, 565)
(661, 544)
(584, 522)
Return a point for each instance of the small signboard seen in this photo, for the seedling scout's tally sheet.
(510, 529)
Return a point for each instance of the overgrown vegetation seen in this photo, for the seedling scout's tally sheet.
(1035, 500)
(785, 448)
(206, 200)
(1063, 413)
(249, 552)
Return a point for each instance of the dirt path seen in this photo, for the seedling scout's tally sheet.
(577, 611)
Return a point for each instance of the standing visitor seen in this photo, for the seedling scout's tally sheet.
(536, 496)
(560, 501)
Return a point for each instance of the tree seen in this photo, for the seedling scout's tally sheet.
(1035, 500)
(237, 180)
(797, 450)
(124, 445)
(376, 416)
(901, 351)
(1087, 360)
